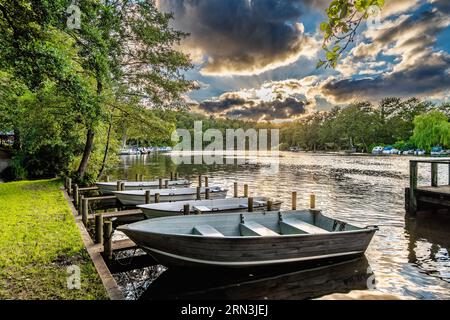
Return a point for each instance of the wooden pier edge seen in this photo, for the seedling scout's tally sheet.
(110, 284)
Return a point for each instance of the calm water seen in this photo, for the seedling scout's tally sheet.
(408, 257)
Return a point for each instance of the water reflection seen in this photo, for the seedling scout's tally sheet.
(409, 257)
(282, 284)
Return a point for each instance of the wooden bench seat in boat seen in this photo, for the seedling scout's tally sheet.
(202, 208)
(207, 230)
(296, 226)
(252, 228)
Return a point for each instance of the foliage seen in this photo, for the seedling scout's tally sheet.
(431, 129)
(344, 19)
(39, 240)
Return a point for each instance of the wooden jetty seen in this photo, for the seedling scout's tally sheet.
(435, 196)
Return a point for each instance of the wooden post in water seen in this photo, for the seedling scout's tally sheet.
(166, 184)
(269, 205)
(412, 186)
(434, 174)
(207, 193)
(160, 183)
(200, 180)
(84, 211)
(142, 177)
(107, 240)
(122, 186)
(186, 209)
(76, 194)
(206, 182)
(312, 201)
(107, 179)
(69, 186)
(137, 177)
(156, 197)
(199, 193)
(171, 175)
(236, 190)
(176, 175)
(99, 228)
(147, 196)
(294, 200)
(118, 184)
(245, 190)
(250, 204)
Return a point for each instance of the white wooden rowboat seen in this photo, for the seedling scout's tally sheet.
(136, 197)
(248, 239)
(155, 210)
(109, 187)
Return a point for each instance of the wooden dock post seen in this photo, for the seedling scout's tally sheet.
(122, 186)
(147, 196)
(69, 186)
(99, 228)
(80, 201)
(156, 197)
(137, 177)
(434, 174)
(412, 186)
(294, 200)
(186, 209)
(84, 211)
(107, 240)
(166, 184)
(118, 185)
(171, 175)
(207, 193)
(236, 190)
(76, 194)
(312, 201)
(206, 182)
(199, 197)
(160, 183)
(142, 178)
(245, 190)
(176, 175)
(200, 180)
(269, 205)
(250, 204)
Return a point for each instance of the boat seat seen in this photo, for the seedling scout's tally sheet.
(251, 228)
(201, 208)
(296, 226)
(207, 230)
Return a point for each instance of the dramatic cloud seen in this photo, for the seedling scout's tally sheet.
(241, 37)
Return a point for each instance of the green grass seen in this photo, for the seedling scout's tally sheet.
(38, 241)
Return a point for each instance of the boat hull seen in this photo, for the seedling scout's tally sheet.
(134, 199)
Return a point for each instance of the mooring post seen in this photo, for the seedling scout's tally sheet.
(186, 209)
(156, 197)
(69, 186)
(199, 193)
(75, 195)
(176, 175)
(84, 211)
(137, 177)
(118, 184)
(250, 204)
(207, 193)
(245, 190)
(269, 205)
(171, 175)
(160, 183)
(236, 190)
(294, 200)
(200, 180)
(122, 186)
(412, 186)
(166, 184)
(147, 196)
(206, 182)
(107, 240)
(142, 178)
(312, 201)
(434, 174)
(99, 228)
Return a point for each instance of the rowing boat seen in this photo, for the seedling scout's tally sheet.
(155, 210)
(242, 240)
(109, 187)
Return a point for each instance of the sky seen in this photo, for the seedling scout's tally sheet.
(256, 59)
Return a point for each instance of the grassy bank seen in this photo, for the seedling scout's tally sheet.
(38, 241)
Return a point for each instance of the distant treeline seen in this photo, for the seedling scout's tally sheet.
(405, 124)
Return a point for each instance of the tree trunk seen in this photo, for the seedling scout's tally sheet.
(86, 153)
(105, 155)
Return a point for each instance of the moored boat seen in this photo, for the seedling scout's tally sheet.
(137, 197)
(242, 240)
(109, 187)
(155, 210)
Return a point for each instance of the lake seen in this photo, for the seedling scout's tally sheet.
(408, 257)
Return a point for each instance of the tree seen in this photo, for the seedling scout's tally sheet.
(344, 19)
(431, 129)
